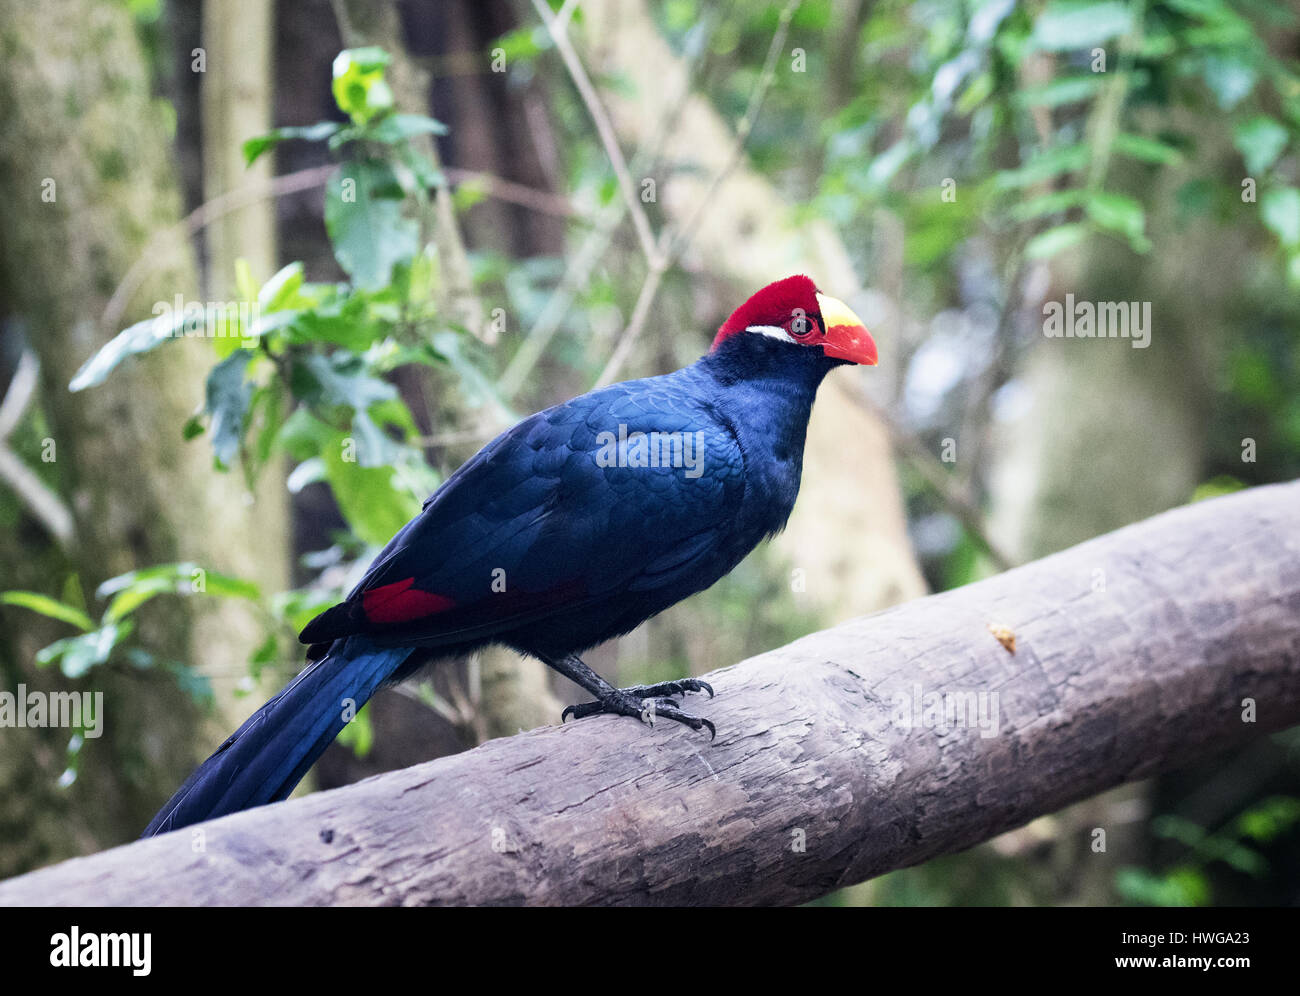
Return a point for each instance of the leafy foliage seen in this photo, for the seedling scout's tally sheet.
(95, 643)
(302, 368)
(1188, 882)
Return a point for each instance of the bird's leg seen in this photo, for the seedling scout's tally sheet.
(645, 702)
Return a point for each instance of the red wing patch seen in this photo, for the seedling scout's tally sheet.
(399, 602)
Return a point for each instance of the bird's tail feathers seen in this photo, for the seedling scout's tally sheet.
(265, 758)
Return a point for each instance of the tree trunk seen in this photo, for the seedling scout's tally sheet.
(235, 102)
(86, 165)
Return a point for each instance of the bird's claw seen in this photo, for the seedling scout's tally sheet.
(679, 687)
(666, 707)
(646, 707)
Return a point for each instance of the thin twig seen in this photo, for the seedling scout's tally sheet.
(649, 288)
(940, 480)
(195, 221)
(542, 201)
(44, 503)
(559, 34)
(672, 247)
(581, 263)
(22, 386)
(743, 128)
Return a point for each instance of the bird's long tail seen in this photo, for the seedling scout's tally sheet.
(265, 758)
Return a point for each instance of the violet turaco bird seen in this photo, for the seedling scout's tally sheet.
(569, 529)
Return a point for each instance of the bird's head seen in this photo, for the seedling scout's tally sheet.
(794, 313)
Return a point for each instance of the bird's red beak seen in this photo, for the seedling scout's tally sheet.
(846, 337)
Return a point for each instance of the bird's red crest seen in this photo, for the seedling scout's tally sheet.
(775, 304)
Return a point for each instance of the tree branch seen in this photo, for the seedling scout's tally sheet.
(1131, 655)
(591, 250)
(671, 247)
(43, 503)
(558, 28)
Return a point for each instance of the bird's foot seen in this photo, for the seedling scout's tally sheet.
(647, 703)
(679, 687)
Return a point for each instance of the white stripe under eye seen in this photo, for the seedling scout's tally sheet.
(774, 331)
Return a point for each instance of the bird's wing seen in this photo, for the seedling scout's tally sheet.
(563, 509)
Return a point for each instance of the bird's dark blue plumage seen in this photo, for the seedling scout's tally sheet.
(572, 527)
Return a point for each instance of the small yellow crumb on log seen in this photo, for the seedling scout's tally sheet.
(1006, 636)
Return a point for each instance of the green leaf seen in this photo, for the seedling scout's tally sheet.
(347, 322)
(1119, 213)
(340, 380)
(363, 214)
(1230, 78)
(255, 147)
(1280, 209)
(78, 654)
(1147, 150)
(976, 93)
(303, 434)
(1053, 203)
(1224, 484)
(526, 42)
(1181, 887)
(228, 586)
(127, 601)
(1245, 859)
(374, 508)
(358, 734)
(420, 277)
(300, 606)
(228, 395)
(1070, 90)
(1260, 140)
(72, 593)
(1054, 240)
(1045, 166)
(266, 653)
(265, 418)
(426, 176)
(265, 323)
(182, 578)
(50, 607)
(402, 127)
(138, 338)
(1269, 819)
(277, 292)
(1068, 26)
(359, 87)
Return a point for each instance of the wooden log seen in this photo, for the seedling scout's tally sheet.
(1120, 658)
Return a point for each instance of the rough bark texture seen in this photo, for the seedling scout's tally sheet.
(1200, 612)
(235, 103)
(88, 173)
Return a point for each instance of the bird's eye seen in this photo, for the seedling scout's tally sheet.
(801, 326)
